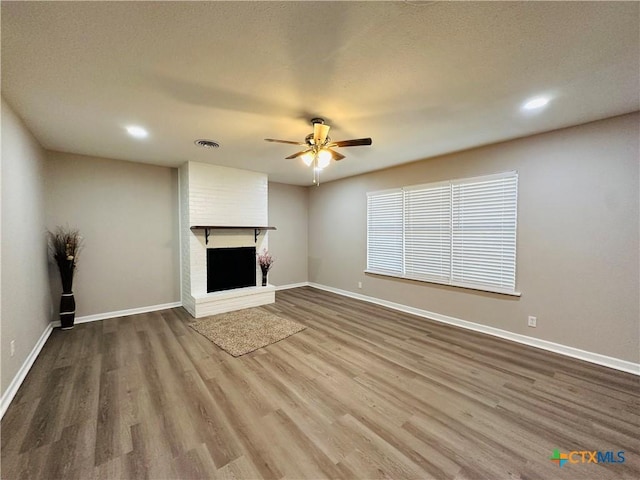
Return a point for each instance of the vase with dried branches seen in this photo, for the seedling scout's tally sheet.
(64, 247)
(265, 260)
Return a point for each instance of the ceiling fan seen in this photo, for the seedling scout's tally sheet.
(318, 147)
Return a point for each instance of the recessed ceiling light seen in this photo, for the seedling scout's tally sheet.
(535, 103)
(137, 132)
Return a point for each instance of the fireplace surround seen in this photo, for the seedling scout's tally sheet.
(221, 208)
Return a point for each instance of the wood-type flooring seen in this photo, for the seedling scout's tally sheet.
(364, 392)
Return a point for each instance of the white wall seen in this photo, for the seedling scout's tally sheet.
(578, 237)
(289, 213)
(26, 306)
(226, 196)
(128, 215)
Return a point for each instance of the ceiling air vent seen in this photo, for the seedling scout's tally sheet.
(206, 143)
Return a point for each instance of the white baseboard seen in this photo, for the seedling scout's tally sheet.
(12, 389)
(292, 285)
(598, 359)
(121, 313)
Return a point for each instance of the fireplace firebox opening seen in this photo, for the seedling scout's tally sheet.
(229, 268)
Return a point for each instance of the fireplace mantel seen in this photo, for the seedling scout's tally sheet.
(208, 228)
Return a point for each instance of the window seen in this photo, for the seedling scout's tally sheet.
(384, 226)
(461, 232)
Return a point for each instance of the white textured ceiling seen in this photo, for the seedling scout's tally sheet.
(421, 79)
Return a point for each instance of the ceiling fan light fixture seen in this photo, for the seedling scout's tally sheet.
(324, 157)
(318, 145)
(307, 158)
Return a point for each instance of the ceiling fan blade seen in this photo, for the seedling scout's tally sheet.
(352, 143)
(335, 155)
(284, 141)
(298, 154)
(320, 132)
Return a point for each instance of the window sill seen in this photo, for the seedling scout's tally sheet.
(458, 285)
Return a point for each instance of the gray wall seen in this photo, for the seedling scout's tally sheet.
(578, 246)
(25, 310)
(288, 212)
(128, 215)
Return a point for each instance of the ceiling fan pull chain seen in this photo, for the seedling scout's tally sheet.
(315, 170)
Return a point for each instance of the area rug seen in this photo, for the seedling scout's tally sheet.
(244, 331)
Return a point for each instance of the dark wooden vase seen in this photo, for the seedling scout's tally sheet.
(264, 276)
(67, 311)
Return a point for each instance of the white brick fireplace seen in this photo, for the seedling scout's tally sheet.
(215, 196)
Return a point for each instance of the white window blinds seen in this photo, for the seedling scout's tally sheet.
(427, 227)
(384, 232)
(483, 232)
(459, 233)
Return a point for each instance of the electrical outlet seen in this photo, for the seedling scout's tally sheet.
(532, 321)
(13, 347)
(359, 284)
